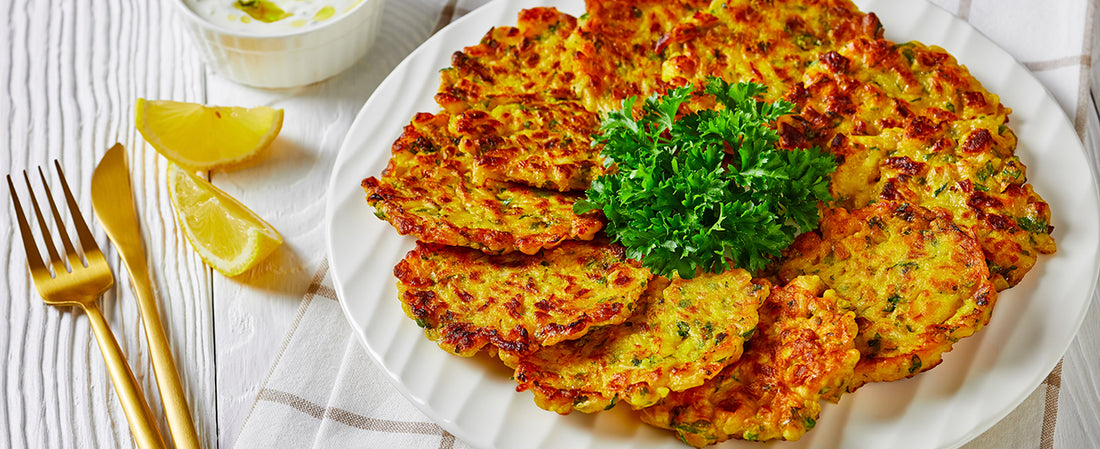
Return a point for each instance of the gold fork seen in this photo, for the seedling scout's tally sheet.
(81, 285)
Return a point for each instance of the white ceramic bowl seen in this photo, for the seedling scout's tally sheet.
(288, 59)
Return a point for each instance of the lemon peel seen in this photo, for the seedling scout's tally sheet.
(228, 236)
(200, 137)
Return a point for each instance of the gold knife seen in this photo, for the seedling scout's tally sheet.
(113, 202)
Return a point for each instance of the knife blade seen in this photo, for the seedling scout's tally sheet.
(113, 203)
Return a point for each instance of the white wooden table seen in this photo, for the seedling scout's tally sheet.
(70, 72)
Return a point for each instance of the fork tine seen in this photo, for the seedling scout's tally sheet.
(74, 257)
(87, 241)
(34, 259)
(56, 262)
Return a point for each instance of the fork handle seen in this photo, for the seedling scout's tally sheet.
(142, 424)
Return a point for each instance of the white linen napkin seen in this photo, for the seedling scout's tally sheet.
(324, 391)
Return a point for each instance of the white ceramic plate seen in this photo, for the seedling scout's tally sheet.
(980, 382)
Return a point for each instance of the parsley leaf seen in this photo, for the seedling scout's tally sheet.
(708, 190)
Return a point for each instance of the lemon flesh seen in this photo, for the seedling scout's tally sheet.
(199, 137)
(228, 236)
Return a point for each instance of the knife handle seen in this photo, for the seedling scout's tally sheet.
(172, 396)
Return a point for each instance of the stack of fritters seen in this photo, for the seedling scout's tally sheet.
(932, 215)
(514, 110)
(428, 191)
(683, 333)
(916, 281)
(803, 350)
(911, 125)
(466, 299)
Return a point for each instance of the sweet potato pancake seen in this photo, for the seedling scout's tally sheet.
(916, 281)
(427, 191)
(679, 336)
(465, 299)
(803, 348)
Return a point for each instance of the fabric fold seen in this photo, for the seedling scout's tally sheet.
(325, 392)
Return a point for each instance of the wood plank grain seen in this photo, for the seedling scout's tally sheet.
(72, 71)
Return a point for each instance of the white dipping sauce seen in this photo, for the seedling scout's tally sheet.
(296, 15)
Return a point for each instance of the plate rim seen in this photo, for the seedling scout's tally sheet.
(457, 27)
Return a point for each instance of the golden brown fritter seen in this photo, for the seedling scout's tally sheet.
(537, 143)
(768, 43)
(465, 299)
(911, 125)
(802, 349)
(514, 107)
(619, 46)
(427, 191)
(979, 182)
(869, 84)
(679, 336)
(916, 281)
(927, 81)
(512, 65)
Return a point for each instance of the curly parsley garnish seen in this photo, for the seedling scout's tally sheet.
(708, 188)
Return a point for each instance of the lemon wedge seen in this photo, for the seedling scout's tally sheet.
(227, 235)
(199, 137)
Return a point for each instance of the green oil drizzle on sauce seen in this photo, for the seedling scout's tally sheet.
(262, 10)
